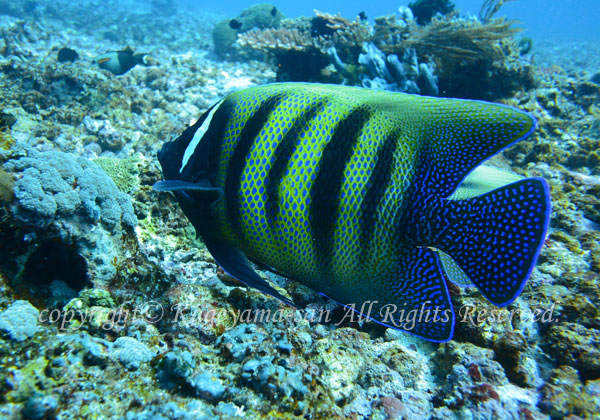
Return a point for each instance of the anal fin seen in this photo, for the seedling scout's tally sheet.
(410, 294)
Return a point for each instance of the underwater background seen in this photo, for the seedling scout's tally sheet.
(111, 307)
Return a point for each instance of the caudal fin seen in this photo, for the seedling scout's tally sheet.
(495, 238)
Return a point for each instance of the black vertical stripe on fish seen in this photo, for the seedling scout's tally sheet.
(214, 136)
(325, 190)
(283, 154)
(237, 161)
(171, 154)
(204, 159)
(377, 184)
(410, 219)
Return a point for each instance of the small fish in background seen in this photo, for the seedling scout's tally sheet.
(67, 55)
(120, 62)
(235, 24)
(362, 16)
(372, 198)
(274, 11)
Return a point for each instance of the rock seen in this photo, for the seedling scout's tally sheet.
(40, 407)
(393, 407)
(195, 410)
(406, 363)
(20, 320)
(342, 362)
(241, 341)
(230, 410)
(576, 346)
(563, 395)
(510, 351)
(274, 379)
(208, 386)
(174, 369)
(130, 352)
(478, 361)
(66, 197)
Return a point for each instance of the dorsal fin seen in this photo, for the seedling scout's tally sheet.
(461, 134)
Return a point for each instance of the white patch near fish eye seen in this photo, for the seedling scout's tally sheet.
(189, 151)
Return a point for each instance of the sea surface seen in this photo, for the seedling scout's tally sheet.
(121, 300)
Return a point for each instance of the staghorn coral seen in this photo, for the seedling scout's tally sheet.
(390, 31)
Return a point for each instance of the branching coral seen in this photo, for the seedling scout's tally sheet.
(390, 31)
(338, 32)
(309, 41)
(286, 39)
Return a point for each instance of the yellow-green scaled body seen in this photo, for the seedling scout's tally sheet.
(350, 191)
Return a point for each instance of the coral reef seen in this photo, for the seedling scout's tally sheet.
(450, 56)
(109, 305)
(66, 200)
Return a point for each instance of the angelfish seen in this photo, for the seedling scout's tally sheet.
(371, 198)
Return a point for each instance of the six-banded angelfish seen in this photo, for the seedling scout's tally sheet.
(365, 196)
(120, 62)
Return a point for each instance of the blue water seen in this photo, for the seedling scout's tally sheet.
(543, 19)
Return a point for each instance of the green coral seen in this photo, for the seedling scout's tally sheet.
(223, 36)
(124, 172)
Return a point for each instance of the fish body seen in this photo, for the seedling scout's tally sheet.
(235, 24)
(119, 62)
(67, 55)
(358, 194)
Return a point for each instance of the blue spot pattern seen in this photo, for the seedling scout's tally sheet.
(380, 232)
(496, 237)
